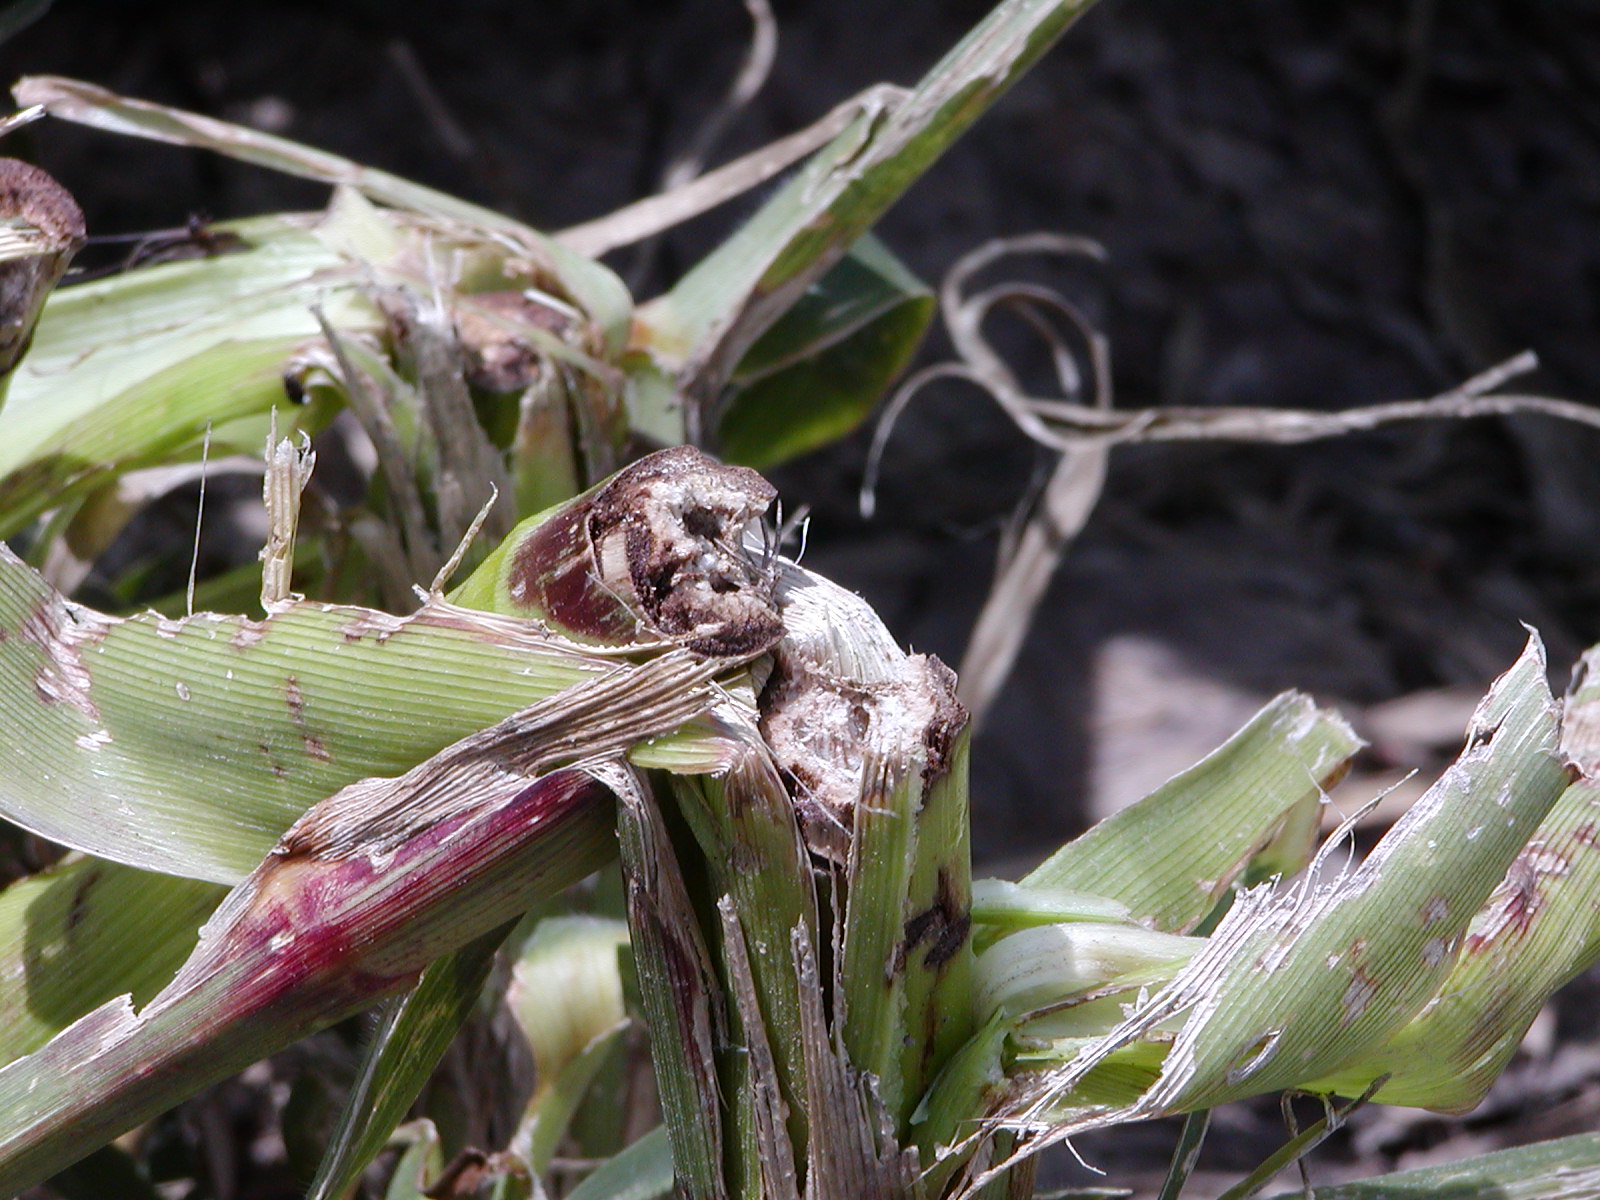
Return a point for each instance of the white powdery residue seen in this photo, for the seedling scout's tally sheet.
(62, 631)
(167, 627)
(94, 740)
(1472, 834)
(183, 691)
(247, 634)
(1542, 860)
(382, 625)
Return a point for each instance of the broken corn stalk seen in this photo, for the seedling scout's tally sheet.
(372, 883)
(315, 935)
(793, 812)
(41, 228)
(793, 826)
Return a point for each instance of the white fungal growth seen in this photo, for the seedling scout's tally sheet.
(94, 740)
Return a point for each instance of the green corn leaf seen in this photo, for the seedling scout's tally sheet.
(1294, 986)
(715, 314)
(567, 995)
(1001, 907)
(1537, 931)
(595, 289)
(420, 1162)
(328, 924)
(108, 718)
(1561, 1169)
(129, 371)
(83, 932)
(817, 373)
(641, 1172)
(414, 1031)
(1170, 857)
(1049, 966)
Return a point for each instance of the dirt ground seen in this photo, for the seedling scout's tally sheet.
(1302, 205)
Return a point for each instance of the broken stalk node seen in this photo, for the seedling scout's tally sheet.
(654, 556)
(41, 228)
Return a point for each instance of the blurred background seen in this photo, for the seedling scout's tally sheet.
(1303, 205)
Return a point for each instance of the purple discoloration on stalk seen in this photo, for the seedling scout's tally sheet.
(554, 572)
(306, 917)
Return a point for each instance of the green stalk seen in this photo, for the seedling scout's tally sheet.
(743, 823)
(682, 1001)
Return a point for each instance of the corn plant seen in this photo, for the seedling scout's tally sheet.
(672, 813)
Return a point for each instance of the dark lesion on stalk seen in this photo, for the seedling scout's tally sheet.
(45, 227)
(945, 925)
(658, 553)
(945, 726)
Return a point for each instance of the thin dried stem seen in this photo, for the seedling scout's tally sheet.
(288, 471)
(1083, 433)
(747, 84)
(1029, 556)
(655, 214)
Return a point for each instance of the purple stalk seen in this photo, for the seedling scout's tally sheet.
(309, 939)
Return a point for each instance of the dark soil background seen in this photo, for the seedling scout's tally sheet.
(1303, 205)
